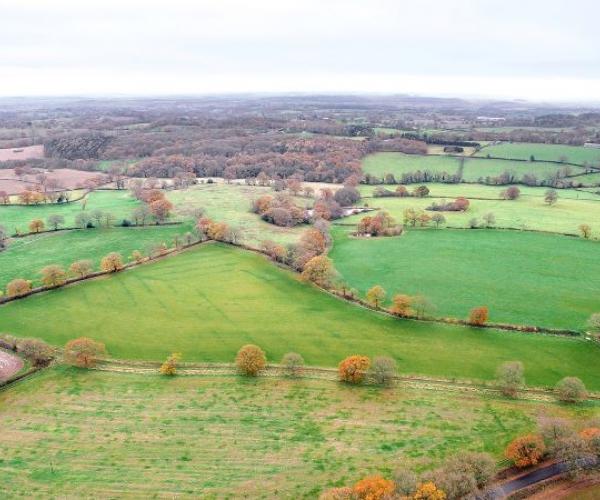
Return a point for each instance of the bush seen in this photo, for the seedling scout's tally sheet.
(112, 262)
(53, 275)
(353, 369)
(343, 493)
(293, 364)
(510, 378)
(250, 360)
(8, 341)
(373, 488)
(406, 482)
(478, 316)
(429, 491)
(383, 370)
(36, 351)
(18, 287)
(81, 268)
(126, 223)
(571, 390)
(169, 367)
(526, 450)
(83, 352)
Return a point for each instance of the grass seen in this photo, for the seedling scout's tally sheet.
(574, 154)
(208, 302)
(475, 169)
(118, 203)
(25, 257)
(104, 435)
(524, 278)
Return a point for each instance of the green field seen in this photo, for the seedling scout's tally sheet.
(25, 257)
(475, 169)
(118, 203)
(209, 301)
(541, 152)
(524, 278)
(103, 435)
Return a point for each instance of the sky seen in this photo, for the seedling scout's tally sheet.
(538, 50)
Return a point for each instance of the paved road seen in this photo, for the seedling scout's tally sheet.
(9, 365)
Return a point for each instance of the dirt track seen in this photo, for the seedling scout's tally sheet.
(9, 365)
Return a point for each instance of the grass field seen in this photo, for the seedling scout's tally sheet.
(208, 302)
(103, 435)
(118, 203)
(524, 278)
(380, 164)
(541, 152)
(25, 257)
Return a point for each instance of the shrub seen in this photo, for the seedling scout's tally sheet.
(478, 316)
(169, 367)
(421, 192)
(250, 360)
(112, 262)
(401, 305)
(353, 369)
(8, 341)
(293, 364)
(373, 488)
(83, 352)
(406, 482)
(81, 268)
(571, 390)
(36, 351)
(18, 287)
(481, 466)
(526, 450)
(53, 275)
(383, 370)
(344, 493)
(510, 378)
(429, 491)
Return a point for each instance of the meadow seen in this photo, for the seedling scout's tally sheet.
(229, 437)
(209, 301)
(524, 278)
(523, 150)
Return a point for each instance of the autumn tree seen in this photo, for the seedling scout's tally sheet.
(53, 275)
(401, 305)
(137, 256)
(511, 193)
(551, 197)
(571, 390)
(373, 488)
(526, 450)
(161, 209)
(438, 219)
(83, 352)
(36, 225)
(18, 287)
(383, 370)
(112, 262)
(421, 192)
(169, 367)
(55, 220)
(479, 316)
(353, 369)
(293, 364)
(37, 352)
(251, 360)
(218, 231)
(319, 270)
(429, 491)
(81, 268)
(510, 377)
(141, 215)
(585, 230)
(83, 219)
(375, 296)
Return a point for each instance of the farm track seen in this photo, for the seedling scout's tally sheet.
(331, 374)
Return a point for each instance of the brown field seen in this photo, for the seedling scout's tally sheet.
(68, 178)
(24, 153)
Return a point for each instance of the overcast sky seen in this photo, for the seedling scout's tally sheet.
(543, 50)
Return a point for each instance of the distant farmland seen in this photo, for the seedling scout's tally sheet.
(24, 153)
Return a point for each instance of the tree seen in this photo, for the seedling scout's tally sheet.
(161, 209)
(585, 230)
(82, 219)
(554, 430)
(526, 450)
(218, 231)
(251, 360)
(169, 367)
(375, 296)
(571, 390)
(83, 352)
(319, 270)
(137, 256)
(421, 192)
(373, 488)
(36, 351)
(36, 225)
(489, 219)
(293, 364)
(401, 305)
(55, 220)
(511, 193)
(18, 287)
(3, 237)
(429, 491)
(81, 268)
(574, 451)
(383, 370)
(405, 481)
(421, 305)
(353, 369)
(551, 197)
(347, 196)
(438, 219)
(478, 316)
(141, 214)
(510, 378)
(53, 275)
(112, 262)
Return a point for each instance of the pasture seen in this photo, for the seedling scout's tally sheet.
(573, 154)
(524, 278)
(76, 433)
(22, 153)
(209, 301)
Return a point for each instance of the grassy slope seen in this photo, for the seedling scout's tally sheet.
(25, 257)
(575, 154)
(229, 437)
(524, 278)
(118, 203)
(398, 163)
(208, 302)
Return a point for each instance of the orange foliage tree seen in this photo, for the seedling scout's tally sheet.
(250, 360)
(161, 209)
(319, 270)
(590, 433)
(112, 262)
(479, 316)
(83, 352)
(169, 367)
(401, 305)
(429, 491)
(36, 225)
(526, 450)
(353, 369)
(53, 275)
(18, 287)
(373, 488)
